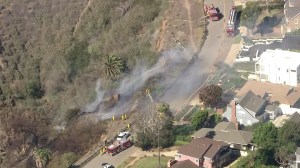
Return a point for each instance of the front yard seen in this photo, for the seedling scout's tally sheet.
(148, 162)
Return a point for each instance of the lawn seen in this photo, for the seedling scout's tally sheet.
(126, 162)
(245, 66)
(151, 162)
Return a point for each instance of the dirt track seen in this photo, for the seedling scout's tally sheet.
(181, 24)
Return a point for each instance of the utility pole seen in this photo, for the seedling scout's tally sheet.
(158, 141)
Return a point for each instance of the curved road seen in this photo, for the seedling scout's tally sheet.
(215, 49)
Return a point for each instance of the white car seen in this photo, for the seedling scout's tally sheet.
(123, 135)
(106, 165)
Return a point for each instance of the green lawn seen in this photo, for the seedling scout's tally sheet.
(245, 66)
(126, 162)
(151, 162)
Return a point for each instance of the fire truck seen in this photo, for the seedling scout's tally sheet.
(212, 12)
(230, 30)
(118, 146)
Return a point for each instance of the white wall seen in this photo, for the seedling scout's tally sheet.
(280, 74)
(287, 110)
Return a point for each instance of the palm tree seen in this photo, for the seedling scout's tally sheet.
(41, 157)
(114, 67)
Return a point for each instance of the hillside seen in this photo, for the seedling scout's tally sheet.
(52, 52)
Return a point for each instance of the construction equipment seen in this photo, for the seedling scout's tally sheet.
(212, 12)
(230, 30)
(119, 146)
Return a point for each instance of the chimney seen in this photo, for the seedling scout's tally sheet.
(171, 162)
(233, 112)
(233, 115)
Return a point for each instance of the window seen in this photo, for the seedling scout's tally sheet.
(264, 76)
(207, 159)
(296, 21)
(293, 70)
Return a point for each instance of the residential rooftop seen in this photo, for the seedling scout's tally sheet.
(202, 147)
(276, 92)
(280, 57)
(295, 118)
(252, 102)
(228, 134)
(292, 8)
(298, 151)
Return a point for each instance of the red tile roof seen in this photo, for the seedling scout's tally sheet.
(202, 147)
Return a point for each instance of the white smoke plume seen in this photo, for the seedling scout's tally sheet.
(99, 98)
(167, 62)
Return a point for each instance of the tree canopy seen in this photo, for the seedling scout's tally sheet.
(156, 122)
(199, 119)
(210, 95)
(265, 135)
(276, 146)
(250, 14)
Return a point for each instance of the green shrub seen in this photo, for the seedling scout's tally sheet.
(77, 58)
(34, 89)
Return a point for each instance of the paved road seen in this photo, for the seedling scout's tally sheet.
(114, 160)
(215, 48)
(189, 81)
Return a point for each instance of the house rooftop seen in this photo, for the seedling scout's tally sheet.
(225, 126)
(276, 92)
(280, 57)
(271, 107)
(296, 3)
(298, 151)
(202, 147)
(292, 8)
(295, 118)
(228, 135)
(184, 164)
(252, 102)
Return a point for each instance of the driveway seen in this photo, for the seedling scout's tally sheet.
(214, 50)
(114, 160)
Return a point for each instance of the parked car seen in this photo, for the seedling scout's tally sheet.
(123, 135)
(106, 165)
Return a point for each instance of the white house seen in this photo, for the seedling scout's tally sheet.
(279, 66)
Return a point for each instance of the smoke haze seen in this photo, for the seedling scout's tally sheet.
(166, 64)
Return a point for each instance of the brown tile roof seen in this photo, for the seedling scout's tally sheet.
(298, 151)
(184, 164)
(228, 136)
(202, 147)
(225, 126)
(295, 118)
(252, 102)
(278, 92)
